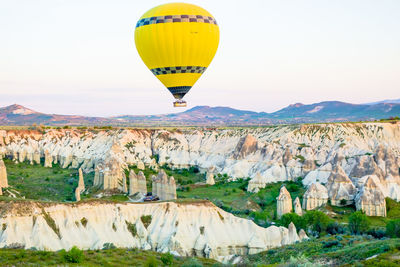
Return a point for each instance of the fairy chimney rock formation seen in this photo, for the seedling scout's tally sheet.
(315, 196)
(48, 159)
(36, 157)
(371, 199)
(81, 182)
(284, 202)
(137, 183)
(210, 178)
(293, 237)
(140, 165)
(256, 183)
(77, 194)
(245, 146)
(303, 235)
(3, 175)
(163, 186)
(111, 176)
(297, 207)
(96, 180)
(81, 185)
(341, 189)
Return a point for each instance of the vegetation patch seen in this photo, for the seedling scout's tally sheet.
(74, 255)
(132, 228)
(39, 183)
(95, 258)
(84, 221)
(220, 216)
(146, 220)
(51, 223)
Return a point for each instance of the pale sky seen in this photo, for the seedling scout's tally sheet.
(79, 56)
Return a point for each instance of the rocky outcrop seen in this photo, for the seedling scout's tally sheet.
(315, 196)
(137, 183)
(81, 181)
(256, 183)
(293, 237)
(48, 159)
(3, 175)
(110, 176)
(163, 186)
(77, 194)
(185, 229)
(140, 165)
(341, 189)
(265, 155)
(246, 146)
(371, 199)
(283, 202)
(210, 178)
(36, 157)
(297, 207)
(302, 235)
(81, 186)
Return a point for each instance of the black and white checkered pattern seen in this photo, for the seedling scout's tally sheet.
(178, 69)
(176, 18)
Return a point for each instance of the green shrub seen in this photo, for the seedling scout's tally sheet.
(74, 255)
(377, 232)
(329, 244)
(335, 228)
(393, 228)
(108, 246)
(167, 258)
(192, 263)
(151, 262)
(358, 223)
(298, 221)
(316, 220)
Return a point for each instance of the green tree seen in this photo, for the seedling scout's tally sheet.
(74, 255)
(167, 258)
(393, 228)
(298, 221)
(316, 220)
(358, 223)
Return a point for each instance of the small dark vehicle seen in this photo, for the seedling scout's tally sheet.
(149, 197)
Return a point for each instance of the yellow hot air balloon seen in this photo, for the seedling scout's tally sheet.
(177, 42)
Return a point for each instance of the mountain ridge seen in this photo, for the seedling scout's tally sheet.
(325, 111)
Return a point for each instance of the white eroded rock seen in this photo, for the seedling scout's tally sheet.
(283, 202)
(315, 196)
(370, 199)
(185, 229)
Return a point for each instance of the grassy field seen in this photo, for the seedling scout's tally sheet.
(105, 257)
(336, 250)
(39, 183)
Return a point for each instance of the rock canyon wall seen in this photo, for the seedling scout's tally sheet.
(338, 156)
(185, 229)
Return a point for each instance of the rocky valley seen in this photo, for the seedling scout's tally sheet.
(335, 165)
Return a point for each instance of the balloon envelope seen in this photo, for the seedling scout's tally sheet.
(177, 42)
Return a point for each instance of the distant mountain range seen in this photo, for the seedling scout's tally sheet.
(329, 111)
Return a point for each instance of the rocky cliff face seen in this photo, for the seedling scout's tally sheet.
(186, 229)
(271, 154)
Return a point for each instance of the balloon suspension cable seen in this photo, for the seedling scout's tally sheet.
(179, 103)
